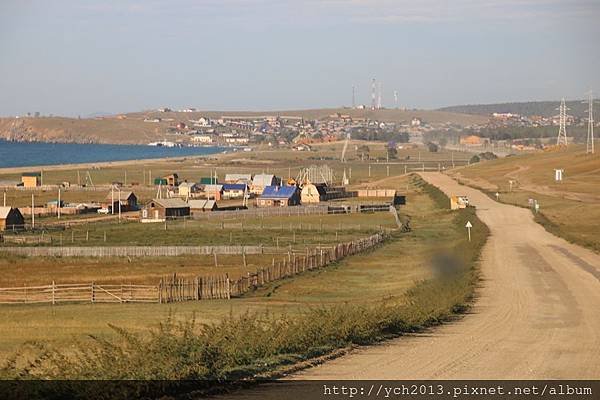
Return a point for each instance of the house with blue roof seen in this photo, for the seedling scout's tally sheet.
(279, 196)
(234, 190)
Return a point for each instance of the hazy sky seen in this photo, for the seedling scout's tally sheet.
(81, 57)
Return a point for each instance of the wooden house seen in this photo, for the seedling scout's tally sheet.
(172, 180)
(238, 178)
(161, 209)
(11, 219)
(234, 190)
(214, 192)
(279, 196)
(128, 201)
(312, 193)
(187, 189)
(261, 181)
(197, 206)
(31, 179)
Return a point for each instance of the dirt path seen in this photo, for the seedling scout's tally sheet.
(538, 315)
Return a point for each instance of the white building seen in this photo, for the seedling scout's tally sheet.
(202, 139)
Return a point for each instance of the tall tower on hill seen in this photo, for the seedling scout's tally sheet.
(373, 104)
(590, 133)
(561, 140)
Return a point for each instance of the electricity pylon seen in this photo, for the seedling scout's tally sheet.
(590, 133)
(561, 140)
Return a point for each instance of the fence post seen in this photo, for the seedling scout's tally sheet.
(93, 299)
(160, 284)
(228, 286)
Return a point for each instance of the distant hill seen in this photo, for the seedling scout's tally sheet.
(131, 128)
(544, 108)
(386, 115)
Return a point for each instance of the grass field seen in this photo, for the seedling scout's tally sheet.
(568, 208)
(386, 273)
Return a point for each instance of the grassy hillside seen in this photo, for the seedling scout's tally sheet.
(60, 129)
(544, 108)
(568, 209)
(133, 129)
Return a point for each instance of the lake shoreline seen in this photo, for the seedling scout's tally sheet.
(213, 152)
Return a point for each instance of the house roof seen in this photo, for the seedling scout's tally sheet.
(263, 179)
(279, 192)
(189, 185)
(208, 180)
(238, 177)
(234, 186)
(202, 204)
(124, 195)
(37, 174)
(197, 204)
(213, 188)
(171, 203)
(4, 211)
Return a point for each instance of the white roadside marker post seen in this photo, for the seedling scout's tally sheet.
(469, 226)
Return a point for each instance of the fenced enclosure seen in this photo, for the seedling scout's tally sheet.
(80, 292)
(175, 289)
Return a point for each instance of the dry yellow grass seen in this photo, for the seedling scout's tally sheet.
(569, 208)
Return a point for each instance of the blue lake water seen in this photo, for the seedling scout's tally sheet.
(16, 154)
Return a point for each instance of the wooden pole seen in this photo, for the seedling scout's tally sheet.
(32, 212)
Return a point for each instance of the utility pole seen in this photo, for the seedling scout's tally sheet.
(119, 204)
(112, 199)
(58, 205)
(32, 212)
(353, 97)
(590, 133)
(561, 140)
(379, 98)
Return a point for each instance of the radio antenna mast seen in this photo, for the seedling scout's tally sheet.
(373, 104)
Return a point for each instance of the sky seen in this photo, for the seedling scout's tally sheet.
(83, 57)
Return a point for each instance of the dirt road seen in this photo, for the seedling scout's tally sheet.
(537, 317)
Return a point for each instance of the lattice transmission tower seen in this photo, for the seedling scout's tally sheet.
(561, 140)
(590, 133)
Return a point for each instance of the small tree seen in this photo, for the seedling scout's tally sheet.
(392, 152)
(364, 151)
(432, 147)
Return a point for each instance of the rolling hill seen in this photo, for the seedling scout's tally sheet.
(543, 108)
(131, 128)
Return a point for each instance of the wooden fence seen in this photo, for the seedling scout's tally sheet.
(80, 292)
(175, 289)
(135, 251)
